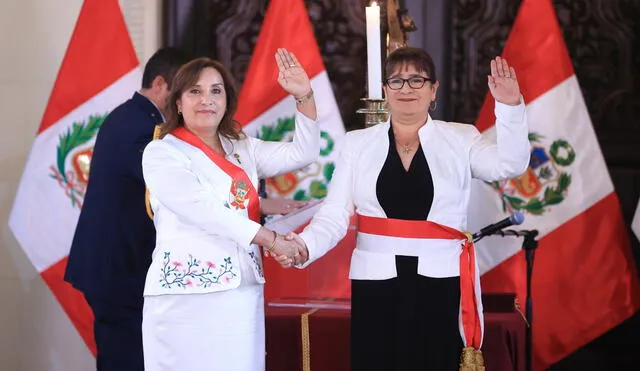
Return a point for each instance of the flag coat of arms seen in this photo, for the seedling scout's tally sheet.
(99, 71)
(267, 112)
(584, 281)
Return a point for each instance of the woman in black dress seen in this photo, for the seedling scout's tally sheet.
(415, 286)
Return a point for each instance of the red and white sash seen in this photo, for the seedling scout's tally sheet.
(408, 234)
(236, 173)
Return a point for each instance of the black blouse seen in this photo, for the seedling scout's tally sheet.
(405, 194)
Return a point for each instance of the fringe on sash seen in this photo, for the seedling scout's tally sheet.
(471, 360)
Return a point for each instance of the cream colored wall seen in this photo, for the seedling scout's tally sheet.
(35, 334)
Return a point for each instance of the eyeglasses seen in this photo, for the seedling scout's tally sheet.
(415, 82)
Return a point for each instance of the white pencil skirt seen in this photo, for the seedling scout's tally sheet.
(206, 332)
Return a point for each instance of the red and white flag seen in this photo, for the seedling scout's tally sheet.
(267, 111)
(584, 279)
(99, 71)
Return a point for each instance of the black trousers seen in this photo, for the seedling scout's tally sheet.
(406, 323)
(118, 332)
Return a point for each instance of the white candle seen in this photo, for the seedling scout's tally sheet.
(374, 67)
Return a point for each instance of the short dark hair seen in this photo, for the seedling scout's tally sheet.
(186, 77)
(410, 56)
(165, 62)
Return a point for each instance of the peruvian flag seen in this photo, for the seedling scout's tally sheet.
(99, 71)
(584, 280)
(266, 111)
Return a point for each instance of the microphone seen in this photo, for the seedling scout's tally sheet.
(514, 219)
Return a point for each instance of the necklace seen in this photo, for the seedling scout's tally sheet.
(406, 148)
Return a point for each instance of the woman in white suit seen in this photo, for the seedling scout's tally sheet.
(415, 285)
(204, 306)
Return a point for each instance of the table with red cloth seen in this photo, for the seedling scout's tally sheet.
(304, 338)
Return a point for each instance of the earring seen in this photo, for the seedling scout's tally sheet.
(179, 112)
(433, 106)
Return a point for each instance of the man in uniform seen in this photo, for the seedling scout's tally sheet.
(114, 237)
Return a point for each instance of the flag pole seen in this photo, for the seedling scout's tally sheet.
(529, 245)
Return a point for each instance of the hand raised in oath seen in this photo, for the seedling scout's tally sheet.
(503, 82)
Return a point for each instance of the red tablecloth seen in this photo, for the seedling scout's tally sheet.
(328, 340)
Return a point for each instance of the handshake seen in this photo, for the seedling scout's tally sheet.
(287, 250)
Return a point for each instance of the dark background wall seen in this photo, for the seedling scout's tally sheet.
(602, 36)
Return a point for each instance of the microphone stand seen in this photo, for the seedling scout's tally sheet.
(529, 245)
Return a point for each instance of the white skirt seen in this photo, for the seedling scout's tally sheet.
(206, 332)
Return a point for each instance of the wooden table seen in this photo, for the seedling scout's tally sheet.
(324, 332)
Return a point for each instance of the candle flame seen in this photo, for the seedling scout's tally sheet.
(373, 3)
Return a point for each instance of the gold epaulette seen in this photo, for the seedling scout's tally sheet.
(147, 203)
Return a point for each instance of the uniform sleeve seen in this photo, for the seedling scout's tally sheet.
(171, 181)
(275, 158)
(135, 151)
(507, 156)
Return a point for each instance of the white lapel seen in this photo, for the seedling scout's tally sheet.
(430, 150)
(367, 165)
(447, 157)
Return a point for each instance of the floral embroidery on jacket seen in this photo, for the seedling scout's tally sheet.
(194, 273)
(257, 261)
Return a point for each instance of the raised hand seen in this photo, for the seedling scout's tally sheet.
(291, 76)
(503, 82)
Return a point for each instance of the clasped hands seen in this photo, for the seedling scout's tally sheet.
(288, 250)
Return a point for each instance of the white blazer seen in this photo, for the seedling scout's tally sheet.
(200, 237)
(455, 153)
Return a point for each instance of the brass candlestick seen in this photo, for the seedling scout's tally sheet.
(374, 111)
